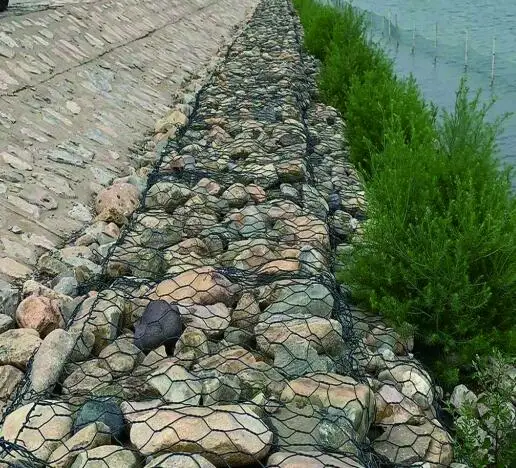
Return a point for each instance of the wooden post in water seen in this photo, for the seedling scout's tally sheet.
(466, 52)
(414, 39)
(435, 45)
(397, 31)
(493, 58)
(389, 21)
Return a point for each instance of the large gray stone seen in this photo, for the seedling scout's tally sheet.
(219, 388)
(6, 323)
(50, 359)
(9, 297)
(175, 384)
(39, 427)
(462, 395)
(292, 299)
(101, 409)
(179, 460)
(107, 455)
(297, 359)
(9, 378)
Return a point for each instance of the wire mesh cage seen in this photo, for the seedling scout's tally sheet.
(215, 332)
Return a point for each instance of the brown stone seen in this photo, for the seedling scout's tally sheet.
(120, 357)
(192, 245)
(412, 381)
(231, 360)
(311, 460)
(107, 455)
(225, 435)
(39, 427)
(403, 444)
(392, 407)
(192, 343)
(255, 376)
(246, 314)
(279, 266)
(337, 392)
(325, 335)
(87, 438)
(208, 186)
(17, 346)
(120, 200)
(174, 119)
(218, 136)
(88, 376)
(40, 313)
(9, 378)
(236, 195)
(256, 193)
(304, 230)
(202, 286)
(251, 256)
(211, 319)
(283, 209)
(179, 460)
(175, 384)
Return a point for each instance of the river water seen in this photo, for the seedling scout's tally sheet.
(439, 41)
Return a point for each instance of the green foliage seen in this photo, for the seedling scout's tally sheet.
(349, 57)
(339, 39)
(377, 102)
(439, 248)
(318, 22)
(486, 429)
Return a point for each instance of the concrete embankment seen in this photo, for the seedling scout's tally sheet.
(212, 331)
(80, 86)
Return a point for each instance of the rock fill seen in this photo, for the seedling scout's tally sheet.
(215, 333)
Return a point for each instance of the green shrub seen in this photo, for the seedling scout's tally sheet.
(378, 99)
(349, 57)
(438, 250)
(486, 428)
(318, 22)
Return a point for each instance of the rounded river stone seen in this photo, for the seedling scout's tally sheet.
(159, 325)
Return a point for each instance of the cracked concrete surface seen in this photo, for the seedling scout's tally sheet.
(80, 83)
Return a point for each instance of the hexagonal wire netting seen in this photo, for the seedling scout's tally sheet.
(217, 333)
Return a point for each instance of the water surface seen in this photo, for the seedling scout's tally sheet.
(428, 39)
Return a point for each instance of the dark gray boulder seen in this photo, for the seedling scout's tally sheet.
(105, 410)
(159, 325)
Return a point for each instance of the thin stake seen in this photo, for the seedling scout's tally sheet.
(414, 39)
(435, 44)
(493, 62)
(397, 31)
(466, 52)
(389, 20)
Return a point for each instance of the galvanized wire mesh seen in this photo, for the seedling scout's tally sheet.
(216, 333)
